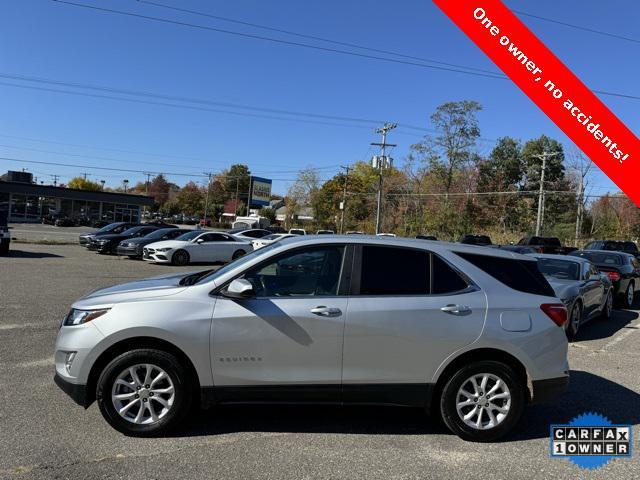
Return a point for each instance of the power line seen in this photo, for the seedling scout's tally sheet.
(313, 37)
(111, 159)
(306, 45)
(273, 40)
(113, 169)
(577, 27)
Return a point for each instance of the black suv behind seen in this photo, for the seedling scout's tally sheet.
(614, 246)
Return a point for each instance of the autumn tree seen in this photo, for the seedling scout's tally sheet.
(81, 183)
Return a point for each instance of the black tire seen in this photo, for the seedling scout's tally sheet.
(181, 385)
(180, 258)
(629, 295)
(607, 310)
(237, 254)
(572, 327)
(449, 400)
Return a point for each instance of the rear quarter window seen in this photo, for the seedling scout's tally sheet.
(520, 275)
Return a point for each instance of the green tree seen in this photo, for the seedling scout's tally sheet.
(501, 172)
(190, 199)
(81, 183)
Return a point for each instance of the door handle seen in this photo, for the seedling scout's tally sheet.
(456, 309)
(323, 311)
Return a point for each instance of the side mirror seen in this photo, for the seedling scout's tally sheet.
(200, 240)
(239, 288)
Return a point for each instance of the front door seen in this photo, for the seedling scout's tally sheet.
(410, 311)
(286, 342)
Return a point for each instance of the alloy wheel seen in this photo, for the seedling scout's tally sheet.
(143, 394)
(630, 295)
(609, 305)
(483, 401)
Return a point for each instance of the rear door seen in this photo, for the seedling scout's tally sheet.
(408, 311)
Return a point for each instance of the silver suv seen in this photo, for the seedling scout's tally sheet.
(469, 333)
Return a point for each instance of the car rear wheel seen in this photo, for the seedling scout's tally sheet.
(629, 295)
(180, 258)
(237, 254)
(575, 317)
(144, 392)
(608, 307)
(482, 401)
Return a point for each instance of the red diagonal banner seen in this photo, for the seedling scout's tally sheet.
(551, 86)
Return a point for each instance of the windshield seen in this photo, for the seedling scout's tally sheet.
(132, 231)
(236, 263)
(561, 269)
(189, 235)
(159, 233)
(109, 227)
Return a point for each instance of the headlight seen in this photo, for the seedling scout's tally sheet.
(78, 317)
(164, 249)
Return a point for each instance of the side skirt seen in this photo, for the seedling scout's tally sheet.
(397, 394)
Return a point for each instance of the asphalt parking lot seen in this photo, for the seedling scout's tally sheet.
(43, 434)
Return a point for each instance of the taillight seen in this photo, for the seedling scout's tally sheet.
(540, 249)
(556, 312)
(613, 276)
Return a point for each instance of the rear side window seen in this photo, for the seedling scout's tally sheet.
(394, 271)
(521, 275)
(602, 258)
(445, 279)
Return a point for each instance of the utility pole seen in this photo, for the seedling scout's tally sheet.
(146, 191)
(84, 175)
(343, 207)
(55, 180)
(206, 202)
(381, 165)
(579, 210)
(540, 218)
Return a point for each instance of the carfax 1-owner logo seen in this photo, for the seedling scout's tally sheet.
(590, 441)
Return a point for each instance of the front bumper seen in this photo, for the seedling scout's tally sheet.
(155, 256)
(128, 251)
(103, 247)
(77, 392)
(548, 389)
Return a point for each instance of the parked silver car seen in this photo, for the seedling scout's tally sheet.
(586, 292)
(470, 333)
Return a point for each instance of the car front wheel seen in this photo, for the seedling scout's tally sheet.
(144, 392)
(608, 307)
(482, 402)
(180, 258)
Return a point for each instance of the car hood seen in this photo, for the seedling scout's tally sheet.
(138, 241)
(144, 289)
(169, 244)
(112, 236)
(562, 288)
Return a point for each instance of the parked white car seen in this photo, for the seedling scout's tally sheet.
(197, 246)
(269, 239)
(298, 231)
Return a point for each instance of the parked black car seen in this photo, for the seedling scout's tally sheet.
(109, 243)
(132, 247)
(116, 227)
(521, 249)
(622, 269)
(614, 246)
(64, 222)
(546, 245)
(482, 240)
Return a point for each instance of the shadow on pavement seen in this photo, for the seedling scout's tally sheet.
(23, 254)
(587, 392)
(598, 328)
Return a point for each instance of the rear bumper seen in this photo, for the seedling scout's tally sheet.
(77, 392)
(548, 389)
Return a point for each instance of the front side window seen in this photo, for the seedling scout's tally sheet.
(312, 271)
(394, 271)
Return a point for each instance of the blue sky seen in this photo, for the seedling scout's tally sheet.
(55, 41)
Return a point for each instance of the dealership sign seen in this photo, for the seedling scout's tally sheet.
(260, 192)
(560, 94)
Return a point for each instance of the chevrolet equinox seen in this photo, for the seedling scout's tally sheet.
(468, 333)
